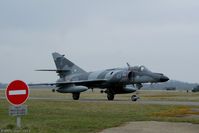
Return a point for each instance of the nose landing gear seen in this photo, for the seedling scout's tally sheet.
(134, 98)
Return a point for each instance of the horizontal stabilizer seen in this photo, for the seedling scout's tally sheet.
(53, 70)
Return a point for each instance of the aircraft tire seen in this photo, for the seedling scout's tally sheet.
(110, 97)
(76, 96)
(134, 98)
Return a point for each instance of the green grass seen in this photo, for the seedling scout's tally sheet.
(65, 116)
(85, 117)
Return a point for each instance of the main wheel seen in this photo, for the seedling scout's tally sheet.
(110, 96)
(76, 96)
(134, 98)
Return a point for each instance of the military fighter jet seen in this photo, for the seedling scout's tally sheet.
(75, 80)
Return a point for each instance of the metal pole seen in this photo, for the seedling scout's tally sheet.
(18, 121)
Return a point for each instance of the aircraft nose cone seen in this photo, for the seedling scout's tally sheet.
(164, 78)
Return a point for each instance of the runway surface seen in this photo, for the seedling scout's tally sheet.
(125, 101)
(117, 101)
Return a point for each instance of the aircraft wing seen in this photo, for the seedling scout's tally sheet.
(40, 84)
(80, 82)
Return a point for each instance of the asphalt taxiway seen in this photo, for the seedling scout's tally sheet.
(118, 101)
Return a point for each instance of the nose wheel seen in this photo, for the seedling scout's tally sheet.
(134, 98)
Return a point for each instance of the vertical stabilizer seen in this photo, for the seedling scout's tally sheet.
(64, 66)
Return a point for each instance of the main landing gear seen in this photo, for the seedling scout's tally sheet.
(134, 98)
(76, 96)
(110, 96)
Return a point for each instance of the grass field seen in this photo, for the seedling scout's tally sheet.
(49, 116)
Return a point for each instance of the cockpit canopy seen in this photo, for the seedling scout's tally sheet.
(141, 69)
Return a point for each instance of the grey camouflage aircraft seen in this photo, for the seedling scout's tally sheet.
(75, 80)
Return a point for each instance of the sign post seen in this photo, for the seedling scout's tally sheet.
(17, 93)
(18, 121)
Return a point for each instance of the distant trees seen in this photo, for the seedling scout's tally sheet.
(2, 85)
(171, 84)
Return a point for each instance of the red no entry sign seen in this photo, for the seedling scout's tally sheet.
(17, 92)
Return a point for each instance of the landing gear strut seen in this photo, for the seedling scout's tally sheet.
(76, 96)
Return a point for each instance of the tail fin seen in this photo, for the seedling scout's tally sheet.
(65, 66)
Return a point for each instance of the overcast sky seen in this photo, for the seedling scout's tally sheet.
(98, 34)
